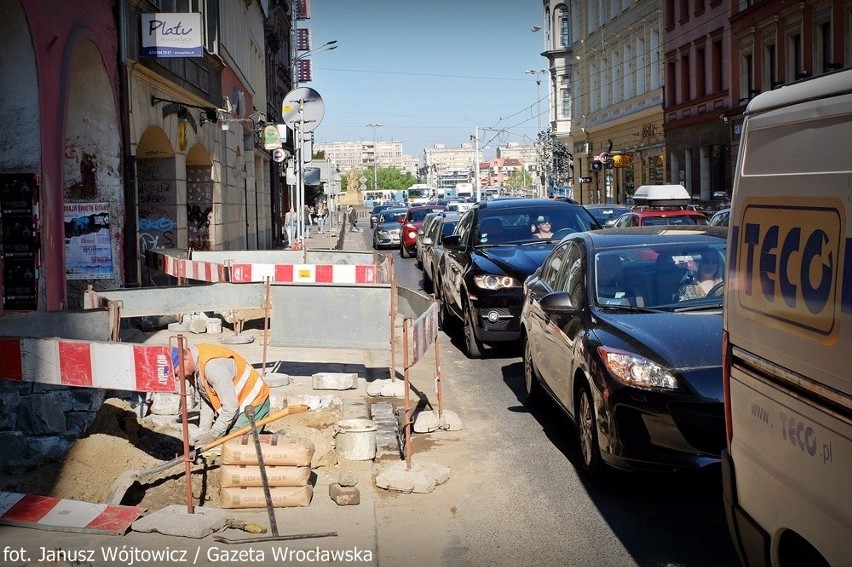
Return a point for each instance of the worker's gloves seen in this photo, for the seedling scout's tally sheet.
(203, 439)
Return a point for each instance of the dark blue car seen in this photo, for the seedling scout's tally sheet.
(623, 329)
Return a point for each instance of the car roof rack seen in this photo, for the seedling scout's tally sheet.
(658, 196)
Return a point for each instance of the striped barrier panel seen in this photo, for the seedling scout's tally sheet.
(184, 268)
(106, 365)
(425, 331)
(307, 273)
(60, 514)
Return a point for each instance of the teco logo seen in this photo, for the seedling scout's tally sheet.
(790, 263)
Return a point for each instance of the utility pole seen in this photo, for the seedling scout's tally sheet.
(475, 139)
(375, 155)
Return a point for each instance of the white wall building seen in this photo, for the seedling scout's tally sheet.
(364, 154)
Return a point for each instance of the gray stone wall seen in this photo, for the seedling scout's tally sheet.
(40, 422)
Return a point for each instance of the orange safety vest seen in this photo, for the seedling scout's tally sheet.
(250, 387)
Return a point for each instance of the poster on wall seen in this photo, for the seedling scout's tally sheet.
(88, 241)
(19, 249)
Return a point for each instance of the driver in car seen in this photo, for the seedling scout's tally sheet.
(542, 228)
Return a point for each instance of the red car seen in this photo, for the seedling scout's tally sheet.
(411, 226)
(657, 217)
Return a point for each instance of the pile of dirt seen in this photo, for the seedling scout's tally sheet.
(117, 442)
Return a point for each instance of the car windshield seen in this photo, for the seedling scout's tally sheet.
(674, 220)
(674, 277)
(389, 216)
(605, 214)
(417, 215)
(530, 224)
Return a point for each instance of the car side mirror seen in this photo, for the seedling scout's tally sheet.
(452, 241)
(427, 241)
(559, 306)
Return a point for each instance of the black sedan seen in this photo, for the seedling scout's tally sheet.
(495, 246)
(623, 329)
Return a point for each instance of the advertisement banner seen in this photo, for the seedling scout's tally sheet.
(171, 35)
(88, 242)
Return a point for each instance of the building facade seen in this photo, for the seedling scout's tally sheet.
(121, 147)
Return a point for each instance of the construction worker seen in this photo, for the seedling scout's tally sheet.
(227, 383)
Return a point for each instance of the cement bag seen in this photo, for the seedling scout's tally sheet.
(282, 450)
(252, 496)
(249, 475)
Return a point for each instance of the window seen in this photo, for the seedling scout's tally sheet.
(564, 28)
(718, 82)
(822, 50)
(655, 60)
(700, 79)
(685, 75)
(571, 278)
(640, 66)
(794, 55)
(770, 72)
(566, 97)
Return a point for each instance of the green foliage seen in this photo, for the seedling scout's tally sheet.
(392, 178)
(519, 179)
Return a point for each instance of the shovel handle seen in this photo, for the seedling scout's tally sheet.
(297, 408)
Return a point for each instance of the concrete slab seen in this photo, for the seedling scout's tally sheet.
(421, 478)
(386, 388)
(335, 381)
(175, 521)
(429, 421)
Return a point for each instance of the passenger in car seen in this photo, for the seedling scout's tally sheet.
(707, 275)
(543, 228)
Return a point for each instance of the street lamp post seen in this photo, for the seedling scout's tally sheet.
(375, 155)
(327, 46)
(538, 74)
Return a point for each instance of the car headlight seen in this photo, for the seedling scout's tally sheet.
(635, 370)
(490, 281)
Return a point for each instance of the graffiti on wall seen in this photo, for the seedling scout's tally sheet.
(157, 204)
(199, 207)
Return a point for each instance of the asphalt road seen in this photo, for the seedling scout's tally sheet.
(515, 496)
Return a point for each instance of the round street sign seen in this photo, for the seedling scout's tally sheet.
(278, 155)
(303, 105)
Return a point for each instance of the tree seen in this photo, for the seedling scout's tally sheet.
(555, 160)
(519, 179)
(392, 178)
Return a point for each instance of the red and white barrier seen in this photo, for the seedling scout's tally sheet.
(112, 366)
(59, 514)
(305, 273)
(183, 268)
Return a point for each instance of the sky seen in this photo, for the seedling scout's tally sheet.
(429, 71)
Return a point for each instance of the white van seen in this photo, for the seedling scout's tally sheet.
(787, 472)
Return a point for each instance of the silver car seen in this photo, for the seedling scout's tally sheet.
(387, 230)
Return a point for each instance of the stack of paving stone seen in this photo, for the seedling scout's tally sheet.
(287, 461)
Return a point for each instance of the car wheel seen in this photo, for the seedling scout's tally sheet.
(472, 345)
(587, 432)
(531, 385)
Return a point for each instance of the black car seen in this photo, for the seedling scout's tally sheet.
(615, 332)
(496, 245)
(442, 225)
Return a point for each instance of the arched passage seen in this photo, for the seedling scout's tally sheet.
(199, 197)
(157, 194)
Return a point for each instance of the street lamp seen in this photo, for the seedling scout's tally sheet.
(375, 155)
(327, 46)
(537, 74)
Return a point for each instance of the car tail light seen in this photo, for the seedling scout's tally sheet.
(726, 387)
